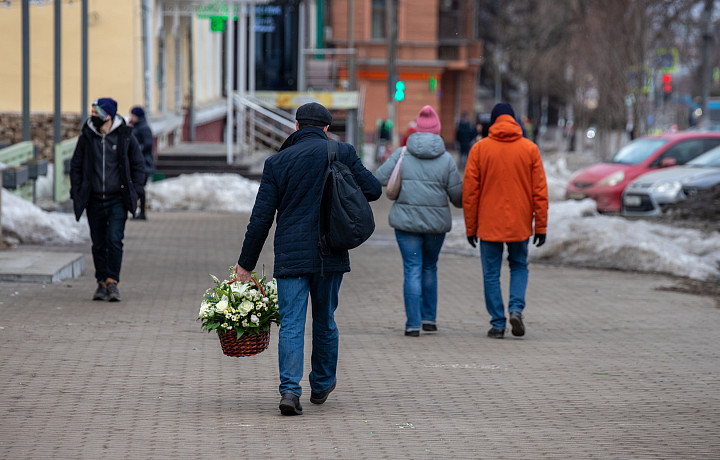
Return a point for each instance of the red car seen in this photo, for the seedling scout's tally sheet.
(605, 182)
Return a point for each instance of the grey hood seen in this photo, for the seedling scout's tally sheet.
(425, 145)
(429, 180)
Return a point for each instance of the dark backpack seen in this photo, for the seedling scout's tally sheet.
(346, 219)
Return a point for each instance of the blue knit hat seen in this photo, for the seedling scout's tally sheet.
(502, 108)
(106, 106)
(138, 111)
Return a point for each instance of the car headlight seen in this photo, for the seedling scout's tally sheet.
(613, 179)
(667, 187)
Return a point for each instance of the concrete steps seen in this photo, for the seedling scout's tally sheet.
(200, 157)
(40, 267)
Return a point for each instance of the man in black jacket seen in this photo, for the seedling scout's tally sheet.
(292, 185)
(106, 175)
(143, 134)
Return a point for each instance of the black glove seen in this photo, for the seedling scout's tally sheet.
(472, 240)
(539, 239)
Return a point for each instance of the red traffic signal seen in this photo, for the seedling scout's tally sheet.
(667, 83)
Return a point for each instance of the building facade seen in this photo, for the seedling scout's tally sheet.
(438, 57)
(178, 48)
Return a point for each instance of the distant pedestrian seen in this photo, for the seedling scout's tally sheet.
(479, 131)
(504, 190)
(411, 129)
(421, 216)
(106, 176)
(143, 134)
(464, 135)
(292, 186)
(529, 129)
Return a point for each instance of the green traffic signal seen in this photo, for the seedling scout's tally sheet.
(399, 90)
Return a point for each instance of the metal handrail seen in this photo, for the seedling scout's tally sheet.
(269, 125)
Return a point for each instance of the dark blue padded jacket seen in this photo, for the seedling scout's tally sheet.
(292, 185)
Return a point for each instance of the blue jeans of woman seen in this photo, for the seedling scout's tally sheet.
(106, 219)
(420, 253)
(292, 302)
(491, 255)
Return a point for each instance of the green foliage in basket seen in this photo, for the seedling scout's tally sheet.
(234, 305)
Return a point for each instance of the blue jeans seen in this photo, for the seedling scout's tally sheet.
(107, 229)
(491, 255)
(292, 303)
(420, 253)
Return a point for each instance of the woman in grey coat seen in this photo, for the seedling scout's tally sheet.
(421, 216)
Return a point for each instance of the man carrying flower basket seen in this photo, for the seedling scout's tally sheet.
(292, 185)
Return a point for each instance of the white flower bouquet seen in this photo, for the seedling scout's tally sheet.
(241, 313)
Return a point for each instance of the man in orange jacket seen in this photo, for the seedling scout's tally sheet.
(504, 189)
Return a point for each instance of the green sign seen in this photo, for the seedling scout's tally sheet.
(217, 13)
(217, 23)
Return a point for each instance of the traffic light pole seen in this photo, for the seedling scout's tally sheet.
(351, 129)
(391, 8)
(706, 58)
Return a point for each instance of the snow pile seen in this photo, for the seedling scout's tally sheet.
(558, 176)
(32, 225)
(203, 192)
(44, 184)
(578, 236)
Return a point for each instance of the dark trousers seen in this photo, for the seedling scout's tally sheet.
(141, 211)
(107, 229)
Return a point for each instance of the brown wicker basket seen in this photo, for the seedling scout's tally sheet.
(246, 345)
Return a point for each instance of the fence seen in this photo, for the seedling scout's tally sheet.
(21, 169)
(61, 183)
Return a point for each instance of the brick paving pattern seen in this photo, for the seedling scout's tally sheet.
(610, 367)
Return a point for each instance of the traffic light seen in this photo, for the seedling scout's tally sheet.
(667, 83)
(433, 84)
(667, 86)
(399, 90)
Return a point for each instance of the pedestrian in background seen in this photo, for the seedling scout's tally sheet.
(106, 177)
(292, 186)
(143, 134)
(464, 135)
(412, 128)
(504, 190)
(421, 216)
(479, 135)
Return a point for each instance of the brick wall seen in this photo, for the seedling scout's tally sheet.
(41, 130)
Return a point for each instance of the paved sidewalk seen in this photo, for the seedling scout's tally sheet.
(610, 366)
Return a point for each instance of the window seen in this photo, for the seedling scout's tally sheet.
(681, 152)
(378, 19)
(451, 20)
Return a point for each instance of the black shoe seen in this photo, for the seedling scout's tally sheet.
(290, 404)
(101, 293)
(321, 396)
(140, 217)
(496, 333)
(430, 327)
(112, 289)
(412, 333)
(518, 328)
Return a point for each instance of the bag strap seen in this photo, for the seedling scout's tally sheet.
(332, 148)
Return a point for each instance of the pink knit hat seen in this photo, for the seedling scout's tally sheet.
(428, 121)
